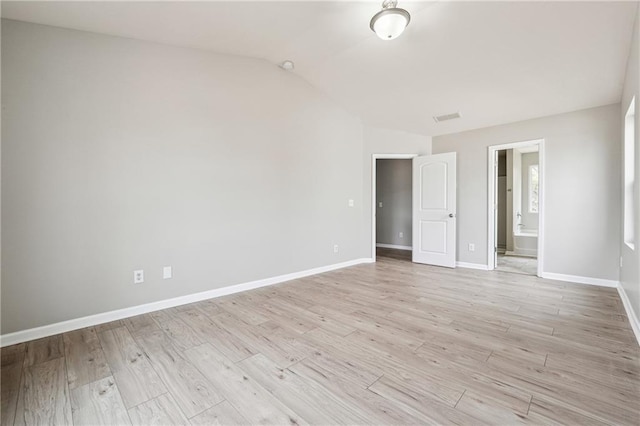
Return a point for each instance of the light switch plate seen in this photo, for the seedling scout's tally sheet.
(167, 272)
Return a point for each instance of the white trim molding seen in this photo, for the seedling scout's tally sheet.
(580, 280)
(633, 318)
(394, 246)
(91, 320)
(522, 253)
(478, 266)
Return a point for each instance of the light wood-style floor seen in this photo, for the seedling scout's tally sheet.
(517, 264)
(387, 343)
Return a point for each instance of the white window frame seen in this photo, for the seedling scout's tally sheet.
(629, 179)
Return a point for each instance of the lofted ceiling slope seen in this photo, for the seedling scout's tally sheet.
(493, 62)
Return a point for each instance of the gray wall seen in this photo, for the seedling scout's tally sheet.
(582, 227)
(393, 189)
(120, 155)
(630, 271)
(529, 220)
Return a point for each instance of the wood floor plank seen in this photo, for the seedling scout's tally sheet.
(190, 389)
(182, 336)
(9, 392)
(246, 313)
(12, 356)
(164, 315)
(108, 326)
(209, 307)
(381, 408)
(136, 379)
(44, 395)
(431, 410)
(488, 411)
(159, 411)
(43, 350)
(278, 344)
(318, 320)
(10, 378)
(603, 371)
(333, 361)
(98, 403)
(377, 409)
(548, 412)
(86, 362)
(431, 382)
(311, 400)
(571, 391)
(225, 340)
(223, 414)
(243, 392)
(141, 324)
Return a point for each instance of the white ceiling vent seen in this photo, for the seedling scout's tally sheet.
(446, 117)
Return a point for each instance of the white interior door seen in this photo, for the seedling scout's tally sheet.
(434, 209)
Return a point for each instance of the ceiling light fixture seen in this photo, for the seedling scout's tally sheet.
(287, 65)
(391, 21)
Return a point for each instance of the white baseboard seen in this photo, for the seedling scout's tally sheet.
(394, 246)
(633, 318)
(580, 280)
(88, 321)
(523, 253)
(479, 266)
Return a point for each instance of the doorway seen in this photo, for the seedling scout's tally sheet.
(433, 209)
(516, 207)
(392, 206)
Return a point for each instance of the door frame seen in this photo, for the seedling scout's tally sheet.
(491, 237)
(374, 201)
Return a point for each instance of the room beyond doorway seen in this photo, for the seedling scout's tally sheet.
(393, 204)
(515, 200)
(391, 196)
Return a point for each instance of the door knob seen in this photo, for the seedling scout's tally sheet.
(452, 215)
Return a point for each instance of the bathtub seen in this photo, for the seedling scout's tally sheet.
(525, 243)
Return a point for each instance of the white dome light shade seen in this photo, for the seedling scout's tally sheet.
(390, 23)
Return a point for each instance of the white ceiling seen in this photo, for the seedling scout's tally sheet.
(494, 62)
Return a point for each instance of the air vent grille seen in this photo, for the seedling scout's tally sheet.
(446, 117)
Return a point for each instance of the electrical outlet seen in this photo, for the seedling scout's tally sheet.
(167, 272)
(621, 261)
(138, 276)
(401, 234)
(336, 248)
(380, 204)
(351, 203)
(472, 247)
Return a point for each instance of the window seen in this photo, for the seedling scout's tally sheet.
(629, 174)
(533, 188)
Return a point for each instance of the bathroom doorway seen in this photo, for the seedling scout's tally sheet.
(516, 208)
